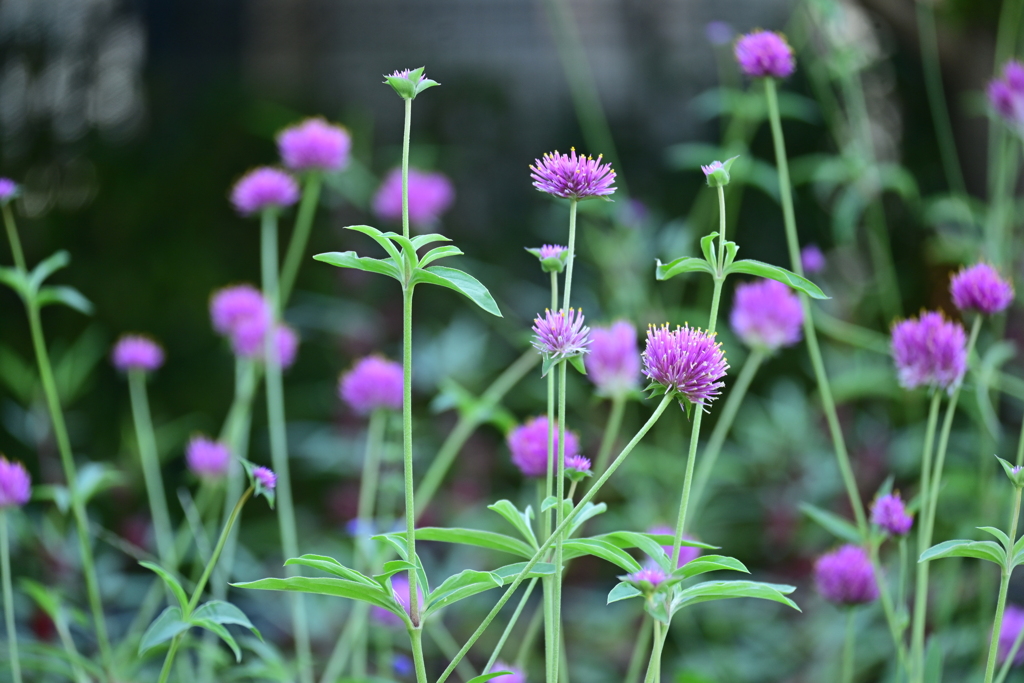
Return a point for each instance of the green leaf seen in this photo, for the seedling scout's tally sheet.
(707, 247)
(709, 563)
(221, 612)
(339, 588)
(48, 267)
(520, 520)
(349, 259)
(832, 523)
(589, 511)
(623, 591)
(725, 590)
(982, 550)
(222, 632)
(464, 584)
(69, 296)
(473, 537)
(44, 596)
(461, 282)
(15, 279)
(786, 277)
(606, 551)
(483, 678)
(933, 661)
(390, 569)
(683, 264)
(331, 566)
(548, 503)
(577, 362)
(420, 241)
(999, 534)
(172, 583)
(397, 542)
(439, 253)
(380, 238)
(509, 572)
(163, 628)
(96, 477)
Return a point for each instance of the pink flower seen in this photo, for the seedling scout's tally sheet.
(430, 195)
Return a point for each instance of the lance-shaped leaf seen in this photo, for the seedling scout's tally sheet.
(420, 241)
(221, 612)
(998, 533)
(606, 551)
(461, 282)
(509, 572)
(15, 279)
(683, 264)
(786, 277)
(707, 247)
(380, 238)
(350, 259)
(439, 253)
(520, 520)
(340, 588)
(331, 566)
(69, 296)
(623, 591)
(725, 590)
(483, 678)
(832, 523)
(982, 550)
(709, 563)
(390, 569)
(397, 542)
(464, 584)
(163, 628)
(171, 582)
(48, 267)
(222, 632)
(474, 537)
(588, 511)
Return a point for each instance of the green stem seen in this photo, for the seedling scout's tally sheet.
(279, 440)
(528, 638)
(410, 502)
(300, 235)
(511, 624)
(587, 497)
(556, 620)
(416, 637)
(549, 592)
(12, 237)
(611, 432)
(636, 660)
(5, 567)
(887, 606)
(406, 136)
(923, 542)
(1004, 585)
(1020, 445)
(848, 648)
(151, 470)
(572, 255)
(654, 666)
(824, 387)
(364, 522)
(445, 642)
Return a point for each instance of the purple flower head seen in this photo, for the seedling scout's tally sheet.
(314, 145)
(613, 364)
(529, 445)
(929, 351)
(15, 484)
(712, 167)
(889, 513)
(766, 314)
(515, 674)
(552, 257)
(248, 336)
(409, 83)
(264, 188)
(980, 288)
(718, 32)
(551, 251)
(577, 465)
(430, 195)
(230, 306)
(1006, 95)
(558, 336)
(845, 576)
(686, 361)
(812, 259)
(765, 53)
(207, 458)
(400, 591)
(1013, 623)
(647, 578)
(286, 344)
(572, 177)
(372, 383)
(137, 352)
(265, 476)
(687, 553)
(8, 190)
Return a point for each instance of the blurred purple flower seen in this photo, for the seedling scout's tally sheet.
(430, 195)
(207, 458)
(314, 145)
(8, 190)
(286, 343)
(687, 361)
(845, 576)
(264, 188)
(572, 177)
(400, 591)
(15, 484)
(687, 553)
(719, 32)
(551, 251)
(137, 352)
(1006, 95)
(232, 305)
(372, 383)
(613, 364)
(559, 336)
(812, 259)
(648, 577)
(265, 476)
(529, 446)
(766, 314)
(765, 53)
(889, 513)
(1013, 623)
(980, 288)
(515, 674)
(929, 351)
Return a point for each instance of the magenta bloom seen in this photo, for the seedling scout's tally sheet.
(15, 484)
(286, 344)
(613, 364)
(572, 177)
(551, 251)
(929, 351)
(1006, 95)
(430, 195)
(264, 188)
(372, 383)
(845, 576)
(765, 53)
(230, 306)
(265, 476)
(648, 577)
(529, 445)
(980, 288)
(685, 361)
(812, 260)
(515, 674)
(687, 553)
(559, 336)
(207, 458)
(1013, 623)
(8, 190)
(314, 145)
(889, 513)
(577, 463)
(137, 352)
(766, 314)
(712, 167)
(400, 590)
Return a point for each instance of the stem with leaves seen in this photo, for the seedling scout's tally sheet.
(1004, 585)
(923, 540)
(300, 235)
(846, 675)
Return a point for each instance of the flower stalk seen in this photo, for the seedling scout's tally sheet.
(1004, 586)
(5, 569)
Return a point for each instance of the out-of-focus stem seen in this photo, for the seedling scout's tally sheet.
(611, 432)
(364, 524)
(5, 568)
(848, 648)
(887, 606)
(511, 624)
(1004, 585)
(529, 637)
(406, 136)
(923, 541)
(572, 255)
(13, 238)
(636, 660)
(300, 235)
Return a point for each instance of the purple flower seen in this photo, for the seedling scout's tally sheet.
(529, 445)
(1006, 95)
(552, 257)
(687, 361)
(242, 314)
(372, 383)
(551, 251)
(265, 476)
(286, 344)
(400, 590)
(714, 166)
(137, 352)
(559, 336)
(812, 260)
(766, 314)
(264, 188)
(15, 484)
(765, 53)
(577, 463)
(980, 288)
(409, 83)
(1013, 623)
(648, 577)
(230, 306)
(515, 674)
(613, 364)
(430, 195)
(8, 190)
(845, 576)
(687, 553)
(889, 513)
(572, 177)
(314, 145)
(718, 32)
(207, 458)
(929, 351)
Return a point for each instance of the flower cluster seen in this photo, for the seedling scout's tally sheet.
(372, 383)
(559, 336)
(314, 145)
(572, 177)
(766, 314)
(613, 364)
(765, 53)
(242, 315)
(528, 444)
(889, 513)
(430, 195)
(845, 576)
(929, 351)
(15, 484)
(137, 352)
(264, 189)
(685, 361)
(207, 459)
(980, 288)
(1006, 95)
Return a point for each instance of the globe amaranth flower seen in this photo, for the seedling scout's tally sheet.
(572, 177)
(400, 591)
(264, 188)
(980, 288)
(552, 257)
(765, 53)
(889, 513)
(15, 484)
(845, 576)
(286, 345)
(409, 83)
(242, 315)
(766, 314)
(1013, 624)
(231, 306)
(529, 445)
(613, 364)
(206, 458)
(1006, 95)
(372, 383)
(577, 467)
(929, 351)
(314, 145)
(647, 579)
(687, 553)
(8, 190)
(686, 361)
(137, 352)
(559, 336)
(514, 675)
(812, 259)
(430, 195)
(265, 476)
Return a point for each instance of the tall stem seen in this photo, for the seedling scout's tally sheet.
(654, 666)
(611, 432)
(923, 542)
(548, 587)
(848, 648)
(824, 387)
(410, 503)
(559, 517)
(511, 624)
(300, 235)
(1004, 585)
(12, 237)
(887, 606)
(279, 439)
(416, 638)
(5, 567)
(572, 254)
(151, 470)
(364, 523)
(636, 660)
(406, 135)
